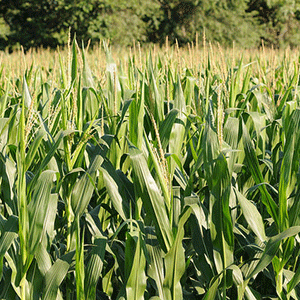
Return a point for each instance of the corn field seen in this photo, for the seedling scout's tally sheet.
(160, 173)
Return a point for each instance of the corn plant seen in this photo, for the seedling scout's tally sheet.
(149, 174)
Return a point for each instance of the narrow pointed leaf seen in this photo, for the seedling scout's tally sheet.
(152, 198)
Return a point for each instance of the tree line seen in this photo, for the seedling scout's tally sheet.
(35, 23)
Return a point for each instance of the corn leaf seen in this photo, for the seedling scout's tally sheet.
(175, 263)
(252, 216)
(272, 247)
(56, 275)
(135, 263)
(152, 198)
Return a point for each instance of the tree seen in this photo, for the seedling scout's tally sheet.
(47, 22)
(173, 19)
(35, 23)
(223, 21)
(279, 21)
(226, 21)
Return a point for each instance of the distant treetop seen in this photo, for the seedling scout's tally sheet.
(46, 23)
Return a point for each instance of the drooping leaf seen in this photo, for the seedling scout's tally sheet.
(94, 267)
(39, 207)
(252, 216)
(55, 275)
(135, 263)
(253, 165)
(152, 198)
(272, 247)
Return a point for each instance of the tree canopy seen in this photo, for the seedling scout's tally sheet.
(247, 22)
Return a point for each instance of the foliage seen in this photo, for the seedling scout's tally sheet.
(221, 21)
(46, 22)
(279, 21)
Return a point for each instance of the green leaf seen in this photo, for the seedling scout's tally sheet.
(39, 207)
(55, 276)
(213, 288)
(7, 175)
(289, 168)
(26, 95)
(135, 264)
(84, 188)
(74, 62)
(294, 281)
(116, 190)
(252, 163)
(177, 136)
(50, 153)
(252, 216)
(155, 269)
(34, 146)
(292, 84)
(211, 151)
(166, 126)
(221, 223)
(272, 247)
(9, 233)
(79, 261)
(175, 263)
(136, 117)
(153, 201)
(160, 173)
(94, 267)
